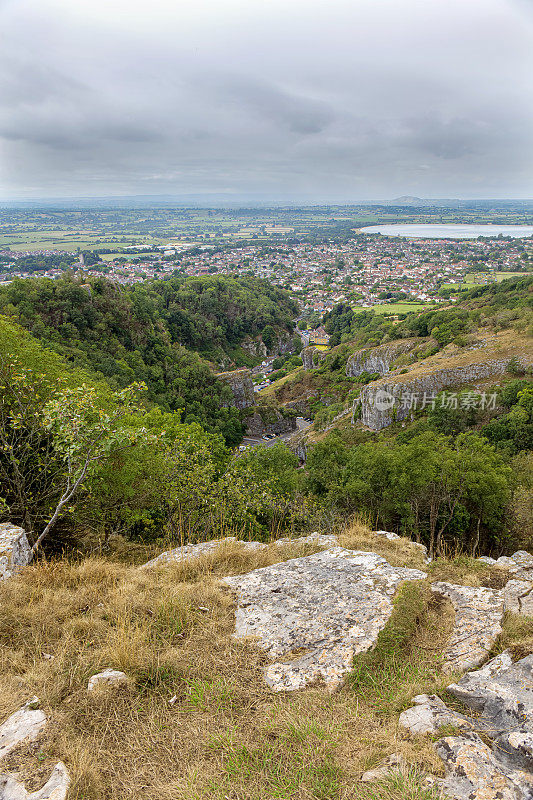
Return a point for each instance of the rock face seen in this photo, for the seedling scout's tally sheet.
(312, 356)
(15, 551)
(478, 618)
(384, 400)
(242, 387)
(332, 605)
(273, 422)
(500, 701)
(55, 788)
(378, 359)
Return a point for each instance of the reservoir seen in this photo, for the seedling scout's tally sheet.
(450, 231)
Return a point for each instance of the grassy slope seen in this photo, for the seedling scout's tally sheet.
(226, 735)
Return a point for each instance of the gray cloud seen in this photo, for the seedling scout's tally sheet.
(322, 99)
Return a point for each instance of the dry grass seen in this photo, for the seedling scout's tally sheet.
(226, 735)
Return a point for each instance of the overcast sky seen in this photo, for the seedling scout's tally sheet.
(320, 100)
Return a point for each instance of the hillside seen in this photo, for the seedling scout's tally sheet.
(164, 333)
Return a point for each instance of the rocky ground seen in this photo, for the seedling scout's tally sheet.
(313, 615)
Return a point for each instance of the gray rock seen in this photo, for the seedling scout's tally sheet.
(518, 597)
(429, 714)
(24, 725)
(189, 552)
(487, 560)
(478, 616)
(55, 788)
(330, 605)
(473, 773)
(15, 551)
(107, 678)
(392, 537)
(502, 695)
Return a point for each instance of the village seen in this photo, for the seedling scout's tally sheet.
(391, 274)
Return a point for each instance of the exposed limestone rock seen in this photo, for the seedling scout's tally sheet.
(270, 420)
(55, 788)
(500, 699)
(331, 605)
(191, 551)
(24, 725)
(518, 597)
(478, 617)
(519, 565)
(241, 385)
(256, 347)
(312, 356)
(475, 774)
(107, 678)
(378, 359)
(15, 551)
(429, 714)
(502, 694)
(384, 400)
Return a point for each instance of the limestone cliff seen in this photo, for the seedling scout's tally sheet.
(397, 396)
(311, 357)
(380, 359)
(242, 387)
(269, 420)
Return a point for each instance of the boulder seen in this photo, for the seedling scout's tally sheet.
(55, 788)
(15, 551)
(108, 678)
(330, 605)
(478, 617)
(24, 725)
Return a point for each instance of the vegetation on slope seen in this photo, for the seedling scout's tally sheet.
(151, 333)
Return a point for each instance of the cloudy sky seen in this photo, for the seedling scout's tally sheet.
(318, 100)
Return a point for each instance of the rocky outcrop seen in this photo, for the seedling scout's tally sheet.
(23, 725)
(330, 605)
(270, 421)
(255, 347)
(379, 359)
(491, 758)
(15, 551)
(384, 401)
(311, 357)
(190, 552)
(478, 617)
(242, 387)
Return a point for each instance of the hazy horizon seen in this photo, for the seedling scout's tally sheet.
(302, 102)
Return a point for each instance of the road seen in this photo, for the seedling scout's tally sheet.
(301, 425)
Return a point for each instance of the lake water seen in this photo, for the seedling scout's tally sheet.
(436, 231)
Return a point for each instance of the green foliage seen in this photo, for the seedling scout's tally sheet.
(146, 333)
(513, 432)
(432, 487)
